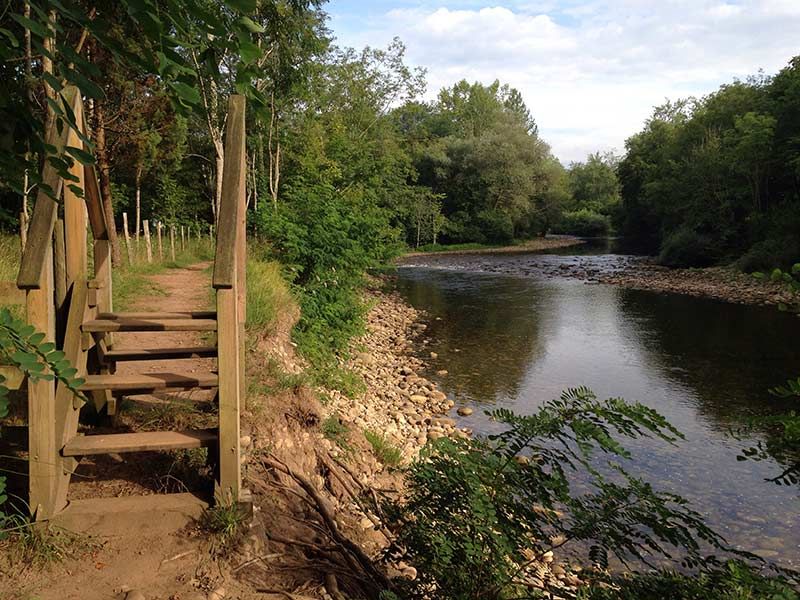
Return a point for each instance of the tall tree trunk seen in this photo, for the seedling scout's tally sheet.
(220, 165)
(104, 175)
(274, 154)
(138, 203)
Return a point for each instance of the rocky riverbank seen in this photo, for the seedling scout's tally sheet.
(721, 283)
(536, 245)
(399, 401)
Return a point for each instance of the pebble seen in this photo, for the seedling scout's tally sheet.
(217, 594)
(464, 411)
(135, 595)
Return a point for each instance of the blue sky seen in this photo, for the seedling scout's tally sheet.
(590, 70)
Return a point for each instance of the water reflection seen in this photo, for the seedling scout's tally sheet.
(512, 333)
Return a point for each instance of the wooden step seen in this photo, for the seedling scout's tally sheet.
(149, 382)
(149, 324)
(146, 441)
(189, 314)
(131, 354)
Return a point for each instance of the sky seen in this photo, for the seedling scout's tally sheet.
(590, 71)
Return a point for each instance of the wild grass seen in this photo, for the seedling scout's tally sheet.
(385, 452)
(9, 257)
(225, 522)
(27, 545)
(268, 295)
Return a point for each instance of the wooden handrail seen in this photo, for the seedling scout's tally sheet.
(40, 230)
(233, 191)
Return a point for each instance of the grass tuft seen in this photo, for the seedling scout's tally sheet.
(337, 432)
(225, 521)
(385, 452)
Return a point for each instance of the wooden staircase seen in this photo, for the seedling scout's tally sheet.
(61, 296)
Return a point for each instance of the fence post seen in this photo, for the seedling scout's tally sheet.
(159, 225)
(147, 245)
(172, 241)
(127, 238)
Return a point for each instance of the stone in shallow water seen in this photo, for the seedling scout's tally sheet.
(465, 411)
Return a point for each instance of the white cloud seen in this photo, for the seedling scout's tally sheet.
(591, 71)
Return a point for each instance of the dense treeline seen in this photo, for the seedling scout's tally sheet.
(718, 179)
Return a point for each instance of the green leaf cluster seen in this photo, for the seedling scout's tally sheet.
(482, 514)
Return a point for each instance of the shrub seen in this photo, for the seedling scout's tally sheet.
(327, 240)
(687, 248)
(766, 254)
(497, 226)
(481, 513)
(585, 223)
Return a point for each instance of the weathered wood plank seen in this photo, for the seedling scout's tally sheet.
(149, 324)
(146, 441)
(44, 463)
(134, 354)
(189, 314)
(13, 377)
(40, 230)
(230, 477)
(150, 381)
(75, 217)
(67, 410)
(233, 189)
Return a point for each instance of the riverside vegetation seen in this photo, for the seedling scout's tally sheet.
(348, 167)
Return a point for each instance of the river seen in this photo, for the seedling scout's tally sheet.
(513, 331)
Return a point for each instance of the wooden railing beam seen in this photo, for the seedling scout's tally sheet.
(40, 230)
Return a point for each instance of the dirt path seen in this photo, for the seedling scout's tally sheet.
(138, 556)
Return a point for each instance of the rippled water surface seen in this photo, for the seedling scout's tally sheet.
(514, 331)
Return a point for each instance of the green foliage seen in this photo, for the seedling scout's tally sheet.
(715, 179)
(583, 222)
(225, 521)
(480, 513)
(478, 150)
(686, 248)
(386, 453)
(594, 185)
(334, 430)
(25, 348)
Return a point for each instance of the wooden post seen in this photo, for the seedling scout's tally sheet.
(60, 280)
(183, 238)
(76, 218)
(210, 232)
(241, 291)
(127, 238)
(172, 241)
(67, 405)
(226, 281)
(148, 247)
(60, 265)
(159, 226)
(43, 453)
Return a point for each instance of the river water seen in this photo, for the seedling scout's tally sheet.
(513, 331)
